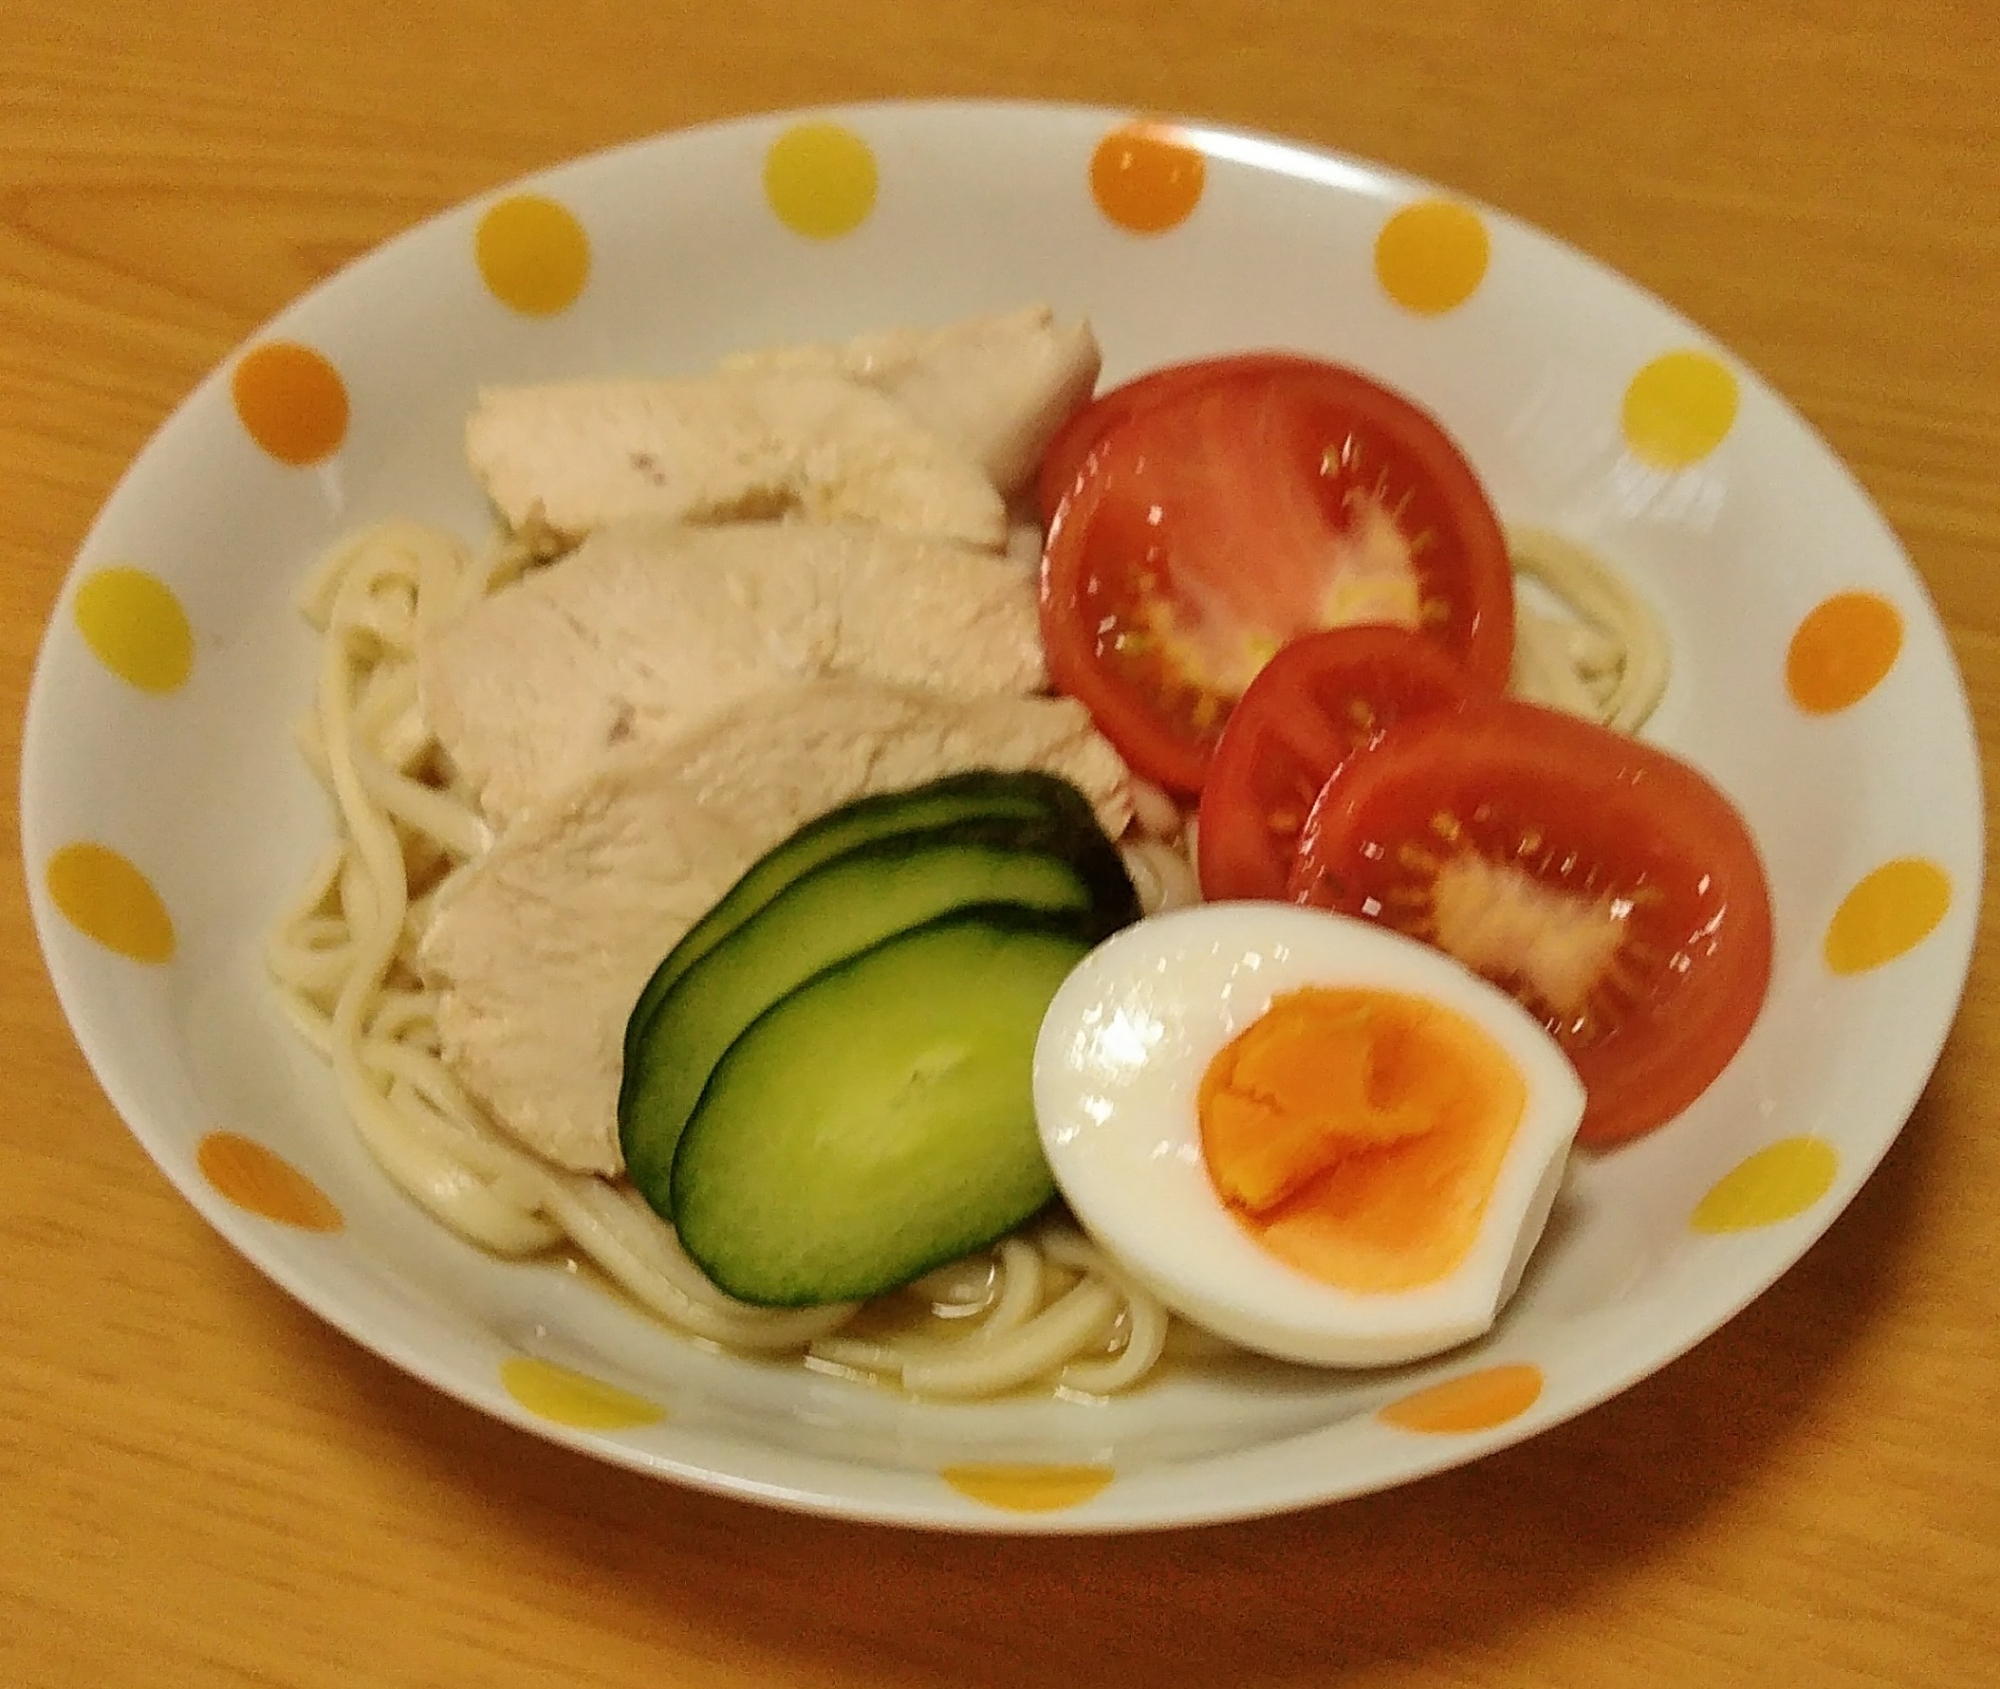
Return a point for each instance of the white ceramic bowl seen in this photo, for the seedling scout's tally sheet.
(159, 776)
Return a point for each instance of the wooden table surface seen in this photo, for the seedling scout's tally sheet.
(201, 1484)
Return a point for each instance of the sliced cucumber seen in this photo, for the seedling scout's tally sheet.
(878, 1121)
(978, 792)
(840, 907)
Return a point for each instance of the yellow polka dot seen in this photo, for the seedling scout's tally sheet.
(1431, 257)
(1781, 1180)
(292, 402)
(136, 625)
(1476, 1401)
(575, 1399)
(104, 897)
(1678, 409)
(1028, 1489)
(533, 254)
(1842, 650)
(820, 180)
(1146, 178)
(1891, 911)
(265, 1183)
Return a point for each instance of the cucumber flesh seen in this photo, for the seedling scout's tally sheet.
(843, 906)
(877, 1121)
(976, 793)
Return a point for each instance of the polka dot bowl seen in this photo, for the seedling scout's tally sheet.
(166, 819)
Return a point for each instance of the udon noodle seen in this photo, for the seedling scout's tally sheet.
(1044, 1307)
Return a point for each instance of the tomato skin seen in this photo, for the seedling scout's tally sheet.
(1576, 809)
(1318, 701)
(1238, 508)
(1175, 761)
(1065, 455)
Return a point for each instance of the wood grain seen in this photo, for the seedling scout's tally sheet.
(201, 1484)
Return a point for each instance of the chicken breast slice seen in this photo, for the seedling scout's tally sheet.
(724, 448)
(540, 948)
(996, 387)
(650, 627)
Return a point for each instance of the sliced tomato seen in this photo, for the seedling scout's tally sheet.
(1226, 517)
(1317, 702)
(1609, 886)
(1065, 455)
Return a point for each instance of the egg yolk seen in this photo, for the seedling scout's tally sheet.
(1356, 1134)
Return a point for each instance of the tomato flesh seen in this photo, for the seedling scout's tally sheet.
(1318, 701)
(1064, 457)
(1231, 514)
(1608, 886)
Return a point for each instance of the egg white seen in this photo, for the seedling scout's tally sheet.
(1118, 1065)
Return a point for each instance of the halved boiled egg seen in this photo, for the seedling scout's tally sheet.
(1309, 1134)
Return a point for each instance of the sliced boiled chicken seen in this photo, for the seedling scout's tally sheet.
(996, 387)
(540, 948)
(651, 627)
(579, 454)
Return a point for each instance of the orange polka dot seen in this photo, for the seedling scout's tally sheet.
(1678, 409)
(1887, 914)
(1431, 257)
(265, 1183)
(1146, 178)
(292, 402)
(104, 897)
(1028, 1489)
(575, 1399)
(1842, 650)
(1780, 1181)
(533, 254)
(1475, 1401)
(136, 627)
(820, 180)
